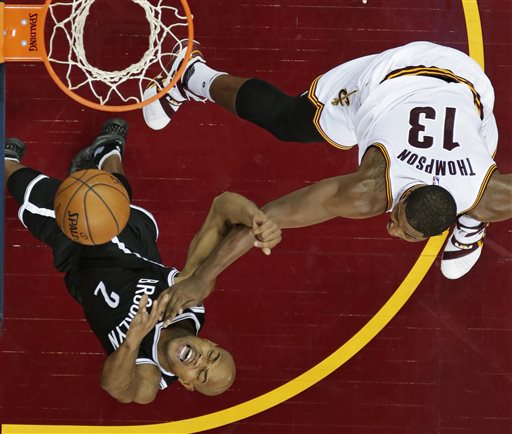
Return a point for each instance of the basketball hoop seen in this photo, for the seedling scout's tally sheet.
(63, 51)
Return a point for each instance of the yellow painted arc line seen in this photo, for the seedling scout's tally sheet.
(474, 31)
(319, 371)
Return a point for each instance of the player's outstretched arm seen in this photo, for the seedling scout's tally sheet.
(358, 195)
(121, 377)
(496, 202)
(227, 210)
(192, 290)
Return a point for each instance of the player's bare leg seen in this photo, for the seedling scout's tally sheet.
(289, 118)
(10, 167)
(199, 82)
(224, 90)
(113, 164)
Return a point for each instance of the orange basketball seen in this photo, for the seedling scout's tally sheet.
(91, 207)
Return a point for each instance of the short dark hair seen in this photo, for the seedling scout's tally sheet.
(430, 209)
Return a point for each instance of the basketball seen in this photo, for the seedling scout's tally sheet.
(91, 207)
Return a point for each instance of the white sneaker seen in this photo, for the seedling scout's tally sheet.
(462, 250)
(158, 114)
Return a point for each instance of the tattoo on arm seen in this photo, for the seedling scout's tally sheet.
(377, 168)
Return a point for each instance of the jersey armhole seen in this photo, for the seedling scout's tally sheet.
(481, 191)
(384, 152)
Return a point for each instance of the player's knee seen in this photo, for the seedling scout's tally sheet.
(287, 118)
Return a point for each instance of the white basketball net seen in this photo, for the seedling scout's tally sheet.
(72, 27)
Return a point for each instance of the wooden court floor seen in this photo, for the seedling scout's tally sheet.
(443, 365)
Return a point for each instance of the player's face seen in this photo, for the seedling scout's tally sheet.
(398, 225)
(201, 365)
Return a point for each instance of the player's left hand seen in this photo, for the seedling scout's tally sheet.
(143, 322)
(266, 231)
(186, 293)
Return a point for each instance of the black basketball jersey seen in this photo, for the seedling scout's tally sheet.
(112, 278)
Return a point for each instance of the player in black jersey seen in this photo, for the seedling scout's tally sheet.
(116, 283)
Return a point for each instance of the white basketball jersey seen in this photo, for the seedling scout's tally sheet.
(428, 108)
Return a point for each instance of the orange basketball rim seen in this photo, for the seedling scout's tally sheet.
(24, 41)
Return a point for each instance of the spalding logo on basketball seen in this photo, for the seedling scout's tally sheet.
(91, 207)
(73, 219)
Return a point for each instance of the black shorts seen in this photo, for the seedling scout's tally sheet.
(34, 193)
(289, 118)
(133, 248)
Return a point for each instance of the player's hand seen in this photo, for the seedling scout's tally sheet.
(187, 293)
(266, 232)
(143, 322)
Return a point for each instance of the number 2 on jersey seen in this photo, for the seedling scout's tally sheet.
(111, 299)
(418, 128)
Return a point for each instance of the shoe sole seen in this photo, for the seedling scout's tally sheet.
(120, 127)
(18, 143)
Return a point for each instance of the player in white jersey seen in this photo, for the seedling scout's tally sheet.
(122, 286)
(422, 116)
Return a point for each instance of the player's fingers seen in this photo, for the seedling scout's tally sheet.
(269, 243)
(163, 302)
(269, 234)
(257, 225)
(166, 310)
(267, 230)
(170, 310)
(153, 315)
(165, 293)
(175, 304)
(156, 309)
(178, 308)
(142, 304)
(258, 220)
(266, 224)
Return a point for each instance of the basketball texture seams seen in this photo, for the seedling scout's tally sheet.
(114, 206)
(91, 207)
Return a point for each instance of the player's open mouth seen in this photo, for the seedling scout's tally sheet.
(187, 354)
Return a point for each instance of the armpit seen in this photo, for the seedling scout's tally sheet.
(375, 165)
